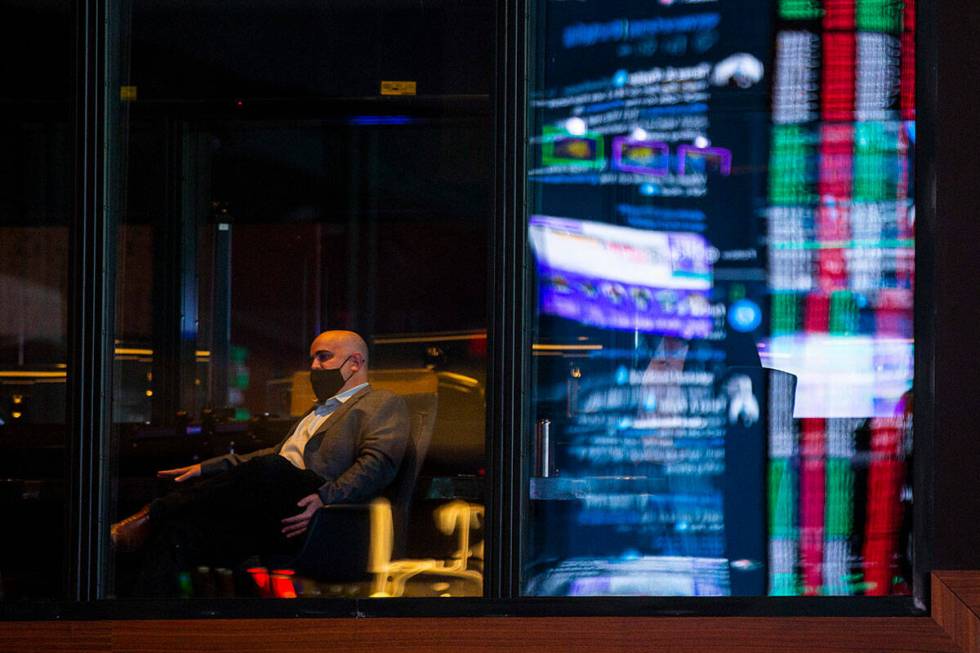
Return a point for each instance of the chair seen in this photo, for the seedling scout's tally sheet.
(459, 517)
(349, 542)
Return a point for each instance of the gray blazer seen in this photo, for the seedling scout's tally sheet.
(357, 450)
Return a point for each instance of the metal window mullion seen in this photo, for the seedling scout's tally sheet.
(90, 311)
(507, 310)
(924, 395)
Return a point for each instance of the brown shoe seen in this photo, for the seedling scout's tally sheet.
(131, 533)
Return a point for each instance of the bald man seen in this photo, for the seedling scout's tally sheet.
(346, 449)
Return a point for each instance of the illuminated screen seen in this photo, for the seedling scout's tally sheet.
(840, 274)
(622, 278)
(722, 242)
(843, 376)
(642, 156)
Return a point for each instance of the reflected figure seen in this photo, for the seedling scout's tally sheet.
(458, 518)
(346, 449)
(743, 407)
(669, 354)
(661, 483)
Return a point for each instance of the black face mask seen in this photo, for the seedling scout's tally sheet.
(326, 383)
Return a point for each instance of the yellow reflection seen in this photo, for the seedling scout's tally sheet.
(145, 351)
(31, 374)
(133, 351)
(390, 576)
(568, 347)
(430, 337)
(462, 379)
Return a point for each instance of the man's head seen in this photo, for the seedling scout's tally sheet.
(344, 351)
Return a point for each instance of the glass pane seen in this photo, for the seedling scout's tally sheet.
(36, 145)
(721, 223)
(278, 186)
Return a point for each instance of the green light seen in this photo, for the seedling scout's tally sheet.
(879, 15)
(800, 9)
(792, 166)
(785, 584)
(552, 156)
(859, 243)
(782, 499)
(877, 161)
(839, 517)
(785, 313)
(844, 314)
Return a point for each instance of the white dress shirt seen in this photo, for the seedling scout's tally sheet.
(293, 449)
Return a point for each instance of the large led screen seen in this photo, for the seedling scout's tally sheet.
(721, 247)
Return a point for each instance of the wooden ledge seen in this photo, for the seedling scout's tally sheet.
(953, 627)
(956, 606)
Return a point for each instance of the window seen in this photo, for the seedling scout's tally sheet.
(668, 352)
(36, 149)
(288, 170)
(721, 222)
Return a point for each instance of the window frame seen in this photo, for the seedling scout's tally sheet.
(937, 508)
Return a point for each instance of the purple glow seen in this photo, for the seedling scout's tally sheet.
(705, 154)
(623, 278)
(660, 156)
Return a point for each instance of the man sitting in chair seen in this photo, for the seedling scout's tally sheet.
(346, 449)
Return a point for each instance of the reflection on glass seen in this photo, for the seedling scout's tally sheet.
(272, 193)
(721, 225)
(841, 269)
(36, 155)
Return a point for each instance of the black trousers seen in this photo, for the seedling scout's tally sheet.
(223, 520)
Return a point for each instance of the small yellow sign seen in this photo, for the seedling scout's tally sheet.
(397, 88)
(127, 93)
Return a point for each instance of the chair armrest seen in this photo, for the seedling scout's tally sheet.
(337, 544)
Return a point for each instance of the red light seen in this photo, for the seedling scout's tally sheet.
(261, 577)
(282, 584)
(816, 313)
(239, 103)
(477, 347)
(886, 474)
(838, 76)
(839, 14)
(907, 83)
(813, 451)
(836, 164)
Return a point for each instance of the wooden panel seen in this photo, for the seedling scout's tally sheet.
(55, 636)
(566, 634)
(965, 584)
(954, 627)
(588, 635)
(956, 606)
(239, 636)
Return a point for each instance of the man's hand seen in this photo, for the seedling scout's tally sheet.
(181, 474)
(297, 524)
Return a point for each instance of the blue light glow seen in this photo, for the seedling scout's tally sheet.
(745, 315)
(622, 375)
(380, 120)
